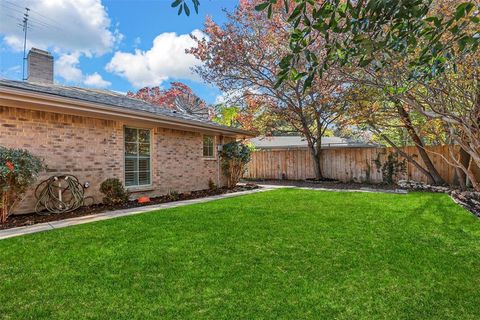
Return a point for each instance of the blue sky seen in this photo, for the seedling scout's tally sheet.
(113, 44)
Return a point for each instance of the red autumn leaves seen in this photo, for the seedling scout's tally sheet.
(10, 165)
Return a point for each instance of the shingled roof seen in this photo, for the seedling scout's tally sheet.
(109, 98)
(285, 142)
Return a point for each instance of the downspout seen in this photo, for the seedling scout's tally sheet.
(218, 160)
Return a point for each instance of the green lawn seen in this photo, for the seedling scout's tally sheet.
(289, 254)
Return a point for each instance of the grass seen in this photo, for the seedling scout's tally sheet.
(284, 254)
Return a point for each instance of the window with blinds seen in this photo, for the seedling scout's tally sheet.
(137, 157)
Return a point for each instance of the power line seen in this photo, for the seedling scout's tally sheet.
(3, 4)
(31, 11)
(33, 15)
(13, 17)
(39, 22)
(13, 4)
(34, 26)
(30, 19)
(45, 17)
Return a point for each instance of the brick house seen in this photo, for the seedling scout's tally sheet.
(99, 134)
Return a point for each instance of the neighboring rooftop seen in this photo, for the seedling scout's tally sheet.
(283, 142)
(106, 97)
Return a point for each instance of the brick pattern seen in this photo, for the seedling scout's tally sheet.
(92, 149)
(40, 66)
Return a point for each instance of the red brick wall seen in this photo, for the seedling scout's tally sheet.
(92, 149)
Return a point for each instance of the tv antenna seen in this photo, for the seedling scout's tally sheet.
(25, 28)
(28, 21)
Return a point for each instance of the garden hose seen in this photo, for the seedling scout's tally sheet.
(59, 194)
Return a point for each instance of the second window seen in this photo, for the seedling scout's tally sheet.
(208, 146)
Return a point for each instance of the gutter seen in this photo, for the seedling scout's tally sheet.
(82, 106)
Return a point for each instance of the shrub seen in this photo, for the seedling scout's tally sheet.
(392, 168)
(235, 156)
(114, 191)
(211, 184)
(18, 171)
(173, 195)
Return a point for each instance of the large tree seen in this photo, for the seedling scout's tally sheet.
(243, 56)
(396, 124)
(369, 27)
(247, 115)
(427, 36)
(454, 99)
(378, 95)
(410, 94)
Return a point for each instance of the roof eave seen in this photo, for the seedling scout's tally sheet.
(28, 98)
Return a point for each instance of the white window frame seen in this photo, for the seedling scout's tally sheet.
(214, 155)
(138, 186)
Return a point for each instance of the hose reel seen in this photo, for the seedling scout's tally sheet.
(59, 194)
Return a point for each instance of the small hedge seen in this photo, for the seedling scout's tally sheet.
(235, 156)
(19, 170)
(114, 192)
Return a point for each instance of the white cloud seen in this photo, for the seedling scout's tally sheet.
(96, 80)
(66, 66)
(69, 28)
(62, 25)
(165, 60)
(13, 42)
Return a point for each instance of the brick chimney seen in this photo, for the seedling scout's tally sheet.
(40, 66)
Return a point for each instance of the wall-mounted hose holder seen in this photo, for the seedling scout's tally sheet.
(59, 194)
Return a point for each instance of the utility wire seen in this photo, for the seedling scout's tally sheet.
(13, 4)
(30, 19)
(33, 15)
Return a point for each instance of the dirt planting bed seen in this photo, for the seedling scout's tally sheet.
(33, 218)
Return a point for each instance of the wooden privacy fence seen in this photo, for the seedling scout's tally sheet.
(344, 164)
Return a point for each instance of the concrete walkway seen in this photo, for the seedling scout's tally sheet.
(15, 232)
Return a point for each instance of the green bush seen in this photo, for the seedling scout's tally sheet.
(211, 184)
(392, 168)
(18, 171)
(173, 195)
(235, 156)
(114, 192)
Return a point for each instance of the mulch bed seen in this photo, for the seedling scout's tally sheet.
(469, 199)
(33, 218)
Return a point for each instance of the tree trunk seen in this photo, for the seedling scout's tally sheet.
(3, 209)
(460, 176)
(473, 180)
(471, 177)
(317, 156)
(314, 145)
(433, 176)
